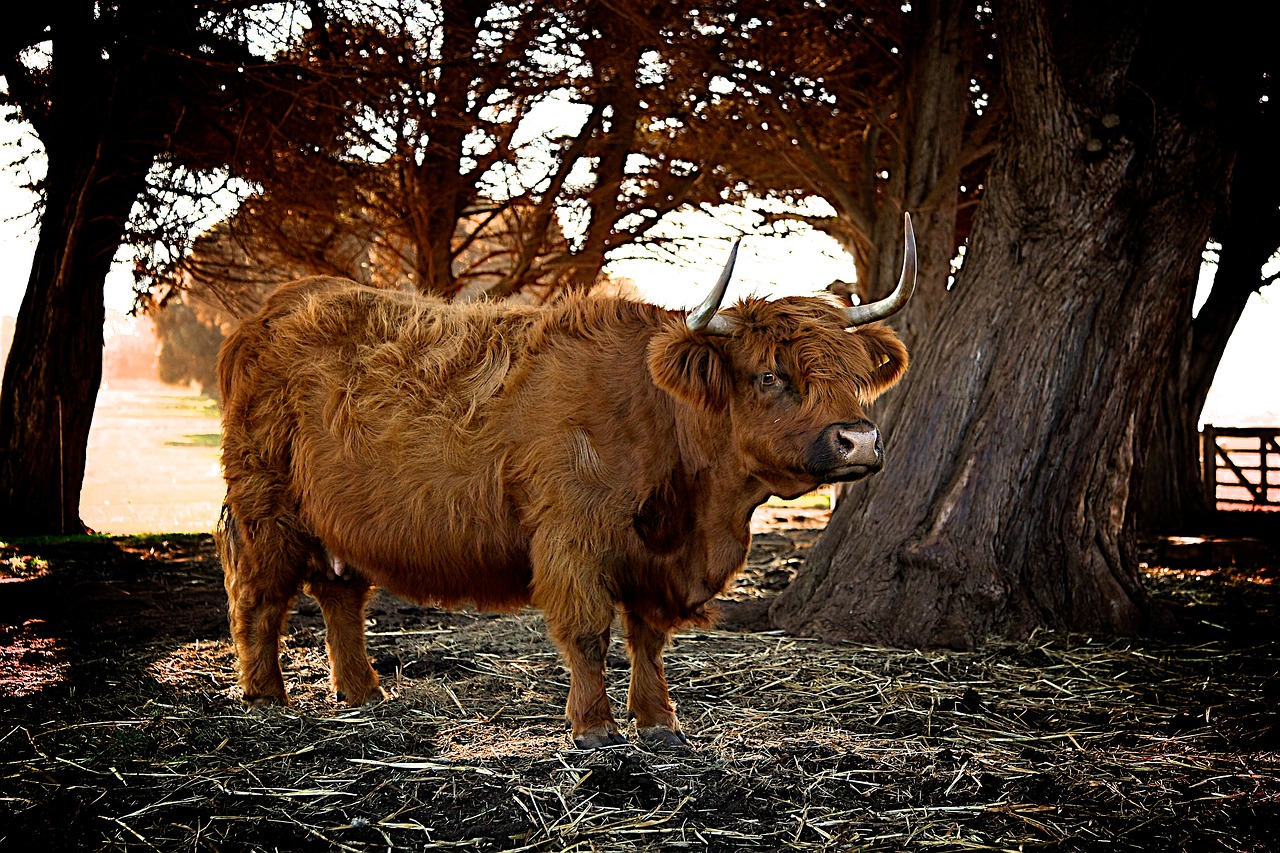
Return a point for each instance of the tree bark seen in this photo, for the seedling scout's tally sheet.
(52, 375)
(937, 104)
(100, 145)
(1003, 504)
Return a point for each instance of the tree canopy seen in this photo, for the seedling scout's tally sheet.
(605, 123)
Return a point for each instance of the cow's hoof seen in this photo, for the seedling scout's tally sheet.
(374, 697)
(598, 738)
(663, 738)
(264, 700)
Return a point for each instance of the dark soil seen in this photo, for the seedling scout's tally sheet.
(121, 727)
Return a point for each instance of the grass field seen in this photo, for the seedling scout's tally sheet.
(153, 461)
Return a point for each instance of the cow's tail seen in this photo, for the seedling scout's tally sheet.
(232, 363)
(227, 535)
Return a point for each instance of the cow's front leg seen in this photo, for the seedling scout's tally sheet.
(648, 701)
(588, 709)
(569, 588)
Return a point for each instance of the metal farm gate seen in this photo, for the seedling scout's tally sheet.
(1241, 466)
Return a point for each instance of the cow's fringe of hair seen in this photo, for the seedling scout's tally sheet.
(819, 358)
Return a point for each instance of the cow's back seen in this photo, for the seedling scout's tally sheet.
(370, 416)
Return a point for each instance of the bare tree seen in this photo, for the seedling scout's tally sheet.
(133, 102)
(481, 121)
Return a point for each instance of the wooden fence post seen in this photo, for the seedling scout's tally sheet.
(1209, 466)
(1264, 473)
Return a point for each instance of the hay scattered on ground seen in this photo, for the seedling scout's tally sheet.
(1059, 742)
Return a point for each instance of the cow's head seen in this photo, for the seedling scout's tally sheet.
(792, 376)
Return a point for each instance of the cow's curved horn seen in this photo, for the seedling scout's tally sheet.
(860, 315)
(703, 318)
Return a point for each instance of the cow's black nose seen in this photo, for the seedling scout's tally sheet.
(847, 451)
(859, 443)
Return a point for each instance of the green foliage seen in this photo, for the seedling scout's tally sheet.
(29, 542)
(188, 347)
(22, 565)
(199, 407)
(198, 439)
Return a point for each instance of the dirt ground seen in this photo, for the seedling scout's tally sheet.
(121, 728)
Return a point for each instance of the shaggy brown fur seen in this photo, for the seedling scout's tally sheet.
(588, 457)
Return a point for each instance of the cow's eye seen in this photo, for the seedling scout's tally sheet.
(768, 378)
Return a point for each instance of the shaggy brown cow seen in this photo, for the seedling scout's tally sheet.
(591, 456)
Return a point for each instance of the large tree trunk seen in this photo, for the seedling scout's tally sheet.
(933, 148)
(1002, 507)
(100, 141)
(1172, 495)
(53, 371)
(929, 151)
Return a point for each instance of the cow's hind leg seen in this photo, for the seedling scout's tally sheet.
(263, 574)
(342, 601)
(648, 701)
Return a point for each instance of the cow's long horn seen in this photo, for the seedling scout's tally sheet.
(860, 315)
(703, 318)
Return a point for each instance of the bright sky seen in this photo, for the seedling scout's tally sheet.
(1246, 391)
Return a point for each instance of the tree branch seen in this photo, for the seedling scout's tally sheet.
(822, 177)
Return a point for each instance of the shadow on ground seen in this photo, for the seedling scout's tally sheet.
(121, 728)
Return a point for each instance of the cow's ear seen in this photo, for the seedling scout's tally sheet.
(690, 367)
(888, 359)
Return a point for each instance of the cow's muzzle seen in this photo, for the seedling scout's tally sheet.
(844, 452)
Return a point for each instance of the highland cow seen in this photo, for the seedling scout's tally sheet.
(590, 457)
